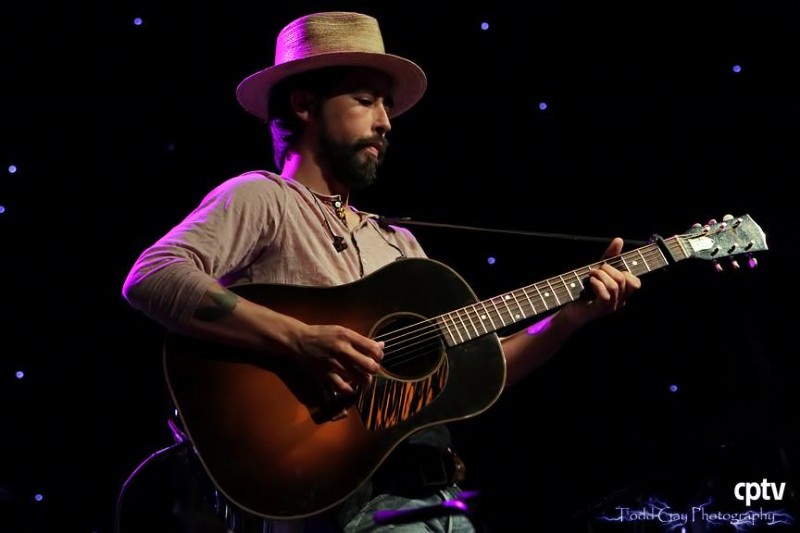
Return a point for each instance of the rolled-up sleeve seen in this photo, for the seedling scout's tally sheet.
(222, 235)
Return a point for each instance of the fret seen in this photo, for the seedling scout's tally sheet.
(578, 283)
(661, 253)
(472, 323)
(681, 246)
(554, 292)
(643, 259)
(499, 315)
(567, 287)
(489, 315)
(449, 331)
(527, 297)
(461, 318)
(511, 316)
(625, 264)
(544, 302)
(479, 318)
(456, 327)
(521, 310)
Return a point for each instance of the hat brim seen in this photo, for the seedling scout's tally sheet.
(410, 81)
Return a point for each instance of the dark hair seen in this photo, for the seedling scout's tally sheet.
(284, 125)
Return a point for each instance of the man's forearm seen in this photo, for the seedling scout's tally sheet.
(223, 316)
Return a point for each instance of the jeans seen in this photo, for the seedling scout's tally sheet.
(364, 521)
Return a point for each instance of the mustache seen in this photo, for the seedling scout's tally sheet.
(378, 142)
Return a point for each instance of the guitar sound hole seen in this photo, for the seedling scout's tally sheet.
(413, 348)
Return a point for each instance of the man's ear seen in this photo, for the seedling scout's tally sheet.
(302, 102)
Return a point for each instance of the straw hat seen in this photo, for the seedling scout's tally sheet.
(332, 39)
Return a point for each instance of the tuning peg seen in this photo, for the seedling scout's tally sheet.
(735, 263)
(752, 261)
(717, 266)
(711, 222)
(726, 222)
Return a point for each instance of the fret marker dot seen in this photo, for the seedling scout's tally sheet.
(547, 295)
(635, 262)
(517, 317)
(507, 297)
(572, 285)
(483, 317)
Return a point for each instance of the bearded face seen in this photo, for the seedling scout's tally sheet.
(355, 164)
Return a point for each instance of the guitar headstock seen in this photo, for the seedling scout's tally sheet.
(731, 237)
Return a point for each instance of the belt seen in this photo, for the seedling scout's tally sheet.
(414, 470)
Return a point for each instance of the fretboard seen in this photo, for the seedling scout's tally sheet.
(487, 316)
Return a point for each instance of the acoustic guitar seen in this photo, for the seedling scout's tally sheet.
(276, 445)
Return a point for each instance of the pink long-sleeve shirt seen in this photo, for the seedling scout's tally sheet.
(258, 227)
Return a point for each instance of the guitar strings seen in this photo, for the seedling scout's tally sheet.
(404, 344)
(402, 348)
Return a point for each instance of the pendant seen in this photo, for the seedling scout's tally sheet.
(338, 205)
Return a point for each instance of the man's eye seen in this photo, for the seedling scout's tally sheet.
(365, 101)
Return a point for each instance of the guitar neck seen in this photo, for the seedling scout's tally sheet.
(488, 316)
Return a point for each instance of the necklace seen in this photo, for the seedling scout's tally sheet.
(338, 241)
(338, 205)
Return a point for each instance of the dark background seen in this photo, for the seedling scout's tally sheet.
(118, 130)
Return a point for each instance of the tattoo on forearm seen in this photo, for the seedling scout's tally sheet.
(222, 304)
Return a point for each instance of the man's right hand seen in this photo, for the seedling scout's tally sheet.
(340, 358)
